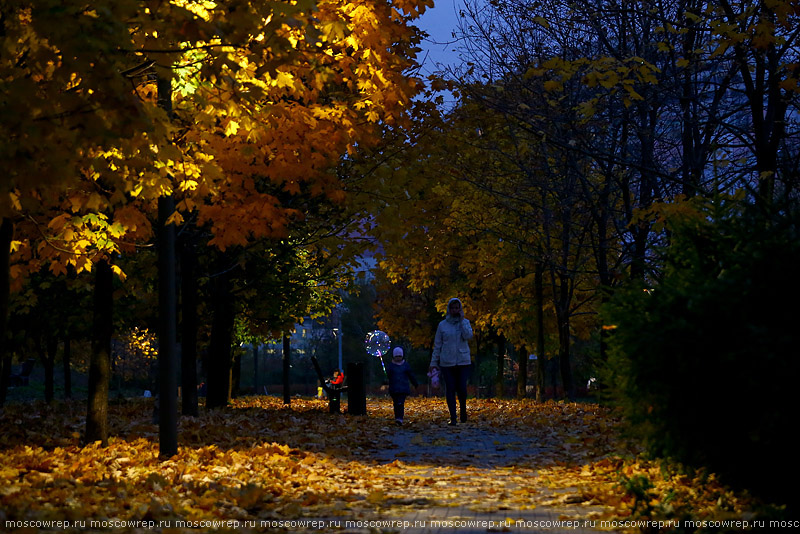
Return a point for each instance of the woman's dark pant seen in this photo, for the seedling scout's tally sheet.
(455, 383)
(399, 401)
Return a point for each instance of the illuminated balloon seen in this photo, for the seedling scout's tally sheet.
(377, 343)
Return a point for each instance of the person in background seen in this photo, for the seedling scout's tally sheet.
(337, 380)
(400, 377)
(320, 391)
(451, 355)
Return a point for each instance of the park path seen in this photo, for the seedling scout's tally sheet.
(474, 478)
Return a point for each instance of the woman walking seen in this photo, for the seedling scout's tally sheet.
(451, 355)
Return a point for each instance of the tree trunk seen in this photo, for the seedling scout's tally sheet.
(5, 377)
(188, 329)
(167, 329)
(522, 375)
(67, 365)
(763, 75)
(287, 363)
(564, 337)
(691, 172)
(49, 361)
(541, 368)
(100, 363)
(219, 358)
(499, 379)
(6, 235)
(236, 374)
(255, 367)
(648, 116)
(477, 378)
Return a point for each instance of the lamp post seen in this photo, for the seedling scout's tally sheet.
(340, 340)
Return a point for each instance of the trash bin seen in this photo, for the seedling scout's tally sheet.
(356, 389)
(334, 401)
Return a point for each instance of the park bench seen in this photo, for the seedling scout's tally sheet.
(21, 378)
(334, 392)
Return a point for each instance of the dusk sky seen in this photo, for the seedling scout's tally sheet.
(439, 22)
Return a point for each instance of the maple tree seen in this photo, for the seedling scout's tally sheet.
(581, 129)
(663, 89)
(47, 139)
(621, 108)
(667, 93)
(5, 355)
(304, 273)
(46, 311)
(301, 83)
(322, 105)
(462, 214)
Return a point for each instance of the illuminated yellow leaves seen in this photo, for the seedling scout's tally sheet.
(282, 80)
(298, 83)
(138, 350)
(176, 218)
(333, 31)
(231, 128)
(413, 8)
(117, 270)
(315, 103)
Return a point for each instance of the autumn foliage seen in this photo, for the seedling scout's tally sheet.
(230, 119)
(261, 460)
(634, 158)
(256, 100)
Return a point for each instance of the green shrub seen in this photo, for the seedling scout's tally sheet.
(704, 361)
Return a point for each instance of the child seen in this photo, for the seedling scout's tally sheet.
(399, 374)
(337, 380)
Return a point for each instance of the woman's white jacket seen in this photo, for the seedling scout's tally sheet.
(450, 346)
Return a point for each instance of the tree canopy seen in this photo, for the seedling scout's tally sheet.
(604, 161)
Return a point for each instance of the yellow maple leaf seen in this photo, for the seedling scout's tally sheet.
(283, 79)
(176, 218)
(231, 128)
(119, 272)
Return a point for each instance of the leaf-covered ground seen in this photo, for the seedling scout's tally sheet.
(261, 461)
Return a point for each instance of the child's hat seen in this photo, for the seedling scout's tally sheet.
(398, 351)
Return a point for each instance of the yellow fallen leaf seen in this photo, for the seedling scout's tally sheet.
(376, 497)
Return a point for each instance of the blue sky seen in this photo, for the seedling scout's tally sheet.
(439, 22)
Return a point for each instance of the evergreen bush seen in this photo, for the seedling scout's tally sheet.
(704, 360)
